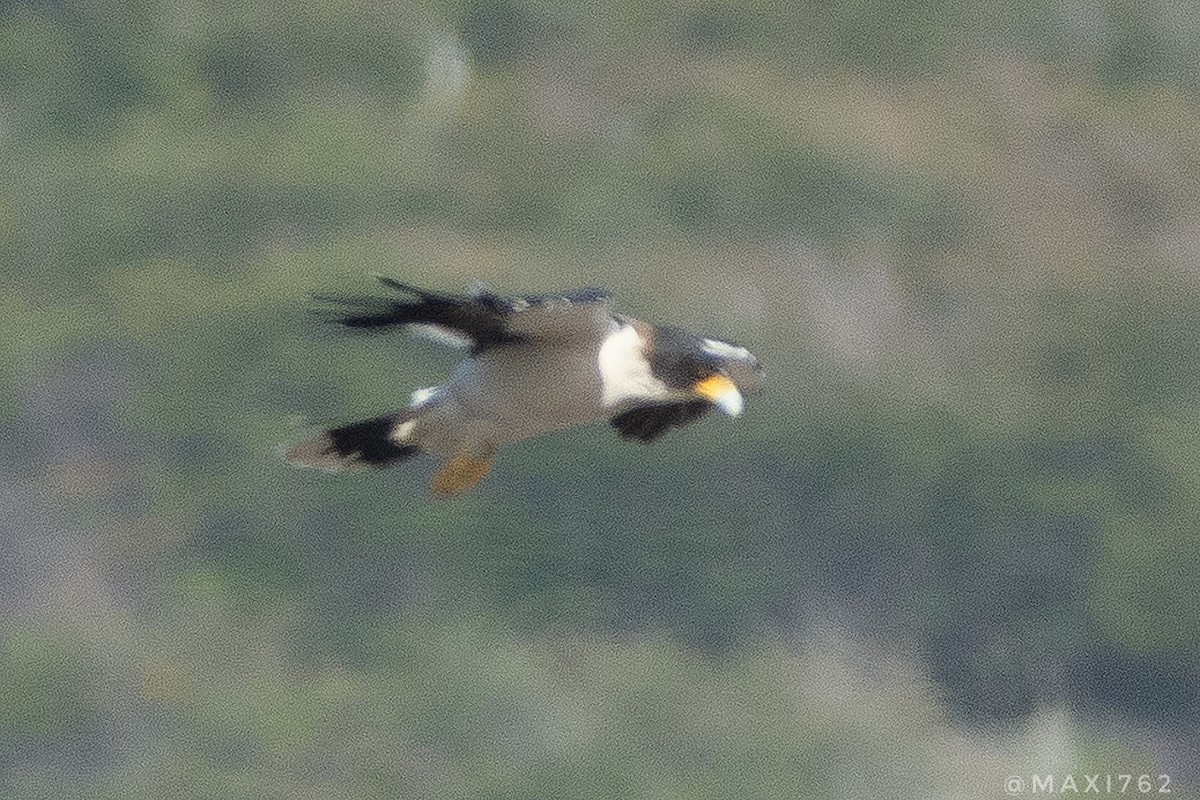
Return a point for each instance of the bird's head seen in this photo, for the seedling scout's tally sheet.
(710, 369)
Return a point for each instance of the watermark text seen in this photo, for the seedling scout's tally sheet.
(1079, 783)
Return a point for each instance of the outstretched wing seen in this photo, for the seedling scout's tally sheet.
(482, 319)
(649, 422)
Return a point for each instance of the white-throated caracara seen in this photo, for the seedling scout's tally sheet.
(536, 364)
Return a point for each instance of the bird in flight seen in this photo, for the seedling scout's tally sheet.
(537, 363)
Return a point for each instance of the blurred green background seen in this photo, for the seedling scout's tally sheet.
(955, 540)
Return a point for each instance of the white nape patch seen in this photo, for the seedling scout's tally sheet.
(726, 350)
(423, 397)
(436, 333)
(624, 370)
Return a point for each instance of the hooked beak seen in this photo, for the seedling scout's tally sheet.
(721, 391)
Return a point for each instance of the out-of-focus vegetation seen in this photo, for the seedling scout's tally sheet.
(956, 539)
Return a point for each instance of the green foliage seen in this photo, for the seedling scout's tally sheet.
(50, 702)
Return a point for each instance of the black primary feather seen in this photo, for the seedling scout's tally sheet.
(481, 317)
(648, 423)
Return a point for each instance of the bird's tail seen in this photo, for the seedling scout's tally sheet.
(377, 442)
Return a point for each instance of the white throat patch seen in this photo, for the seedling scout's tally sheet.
(625, 371)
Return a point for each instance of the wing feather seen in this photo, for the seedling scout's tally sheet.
(650, 422)
(481, 318)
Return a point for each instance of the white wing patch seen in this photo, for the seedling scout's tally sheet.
(726, 350)
(436, 333)
(423, 397)
(403, 432)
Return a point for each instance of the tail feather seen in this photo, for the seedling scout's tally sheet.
(377, 442)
